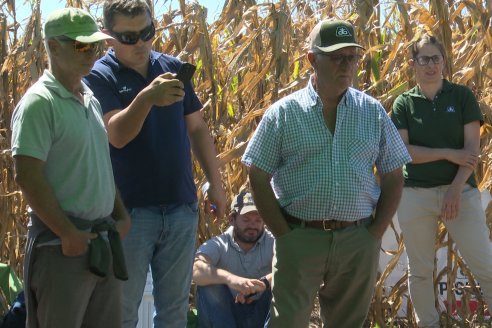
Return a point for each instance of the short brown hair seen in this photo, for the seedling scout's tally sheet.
(422, 39)
(130, 8)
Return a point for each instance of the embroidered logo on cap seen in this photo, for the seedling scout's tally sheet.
(342, 31)
(248, 200)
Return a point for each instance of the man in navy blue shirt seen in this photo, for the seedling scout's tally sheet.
(153, 122)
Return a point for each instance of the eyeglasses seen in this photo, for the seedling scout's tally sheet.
(424, 60)
(81, 46)
(132, 37)
(339, 59)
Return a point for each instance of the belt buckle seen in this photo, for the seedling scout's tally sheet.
(324, 225)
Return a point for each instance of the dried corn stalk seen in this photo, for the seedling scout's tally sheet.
(254, 54)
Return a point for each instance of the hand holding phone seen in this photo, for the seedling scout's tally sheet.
(186, 72)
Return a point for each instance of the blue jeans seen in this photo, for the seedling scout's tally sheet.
(163, 237)
(217, 309)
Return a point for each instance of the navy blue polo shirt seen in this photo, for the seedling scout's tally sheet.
(154, 168)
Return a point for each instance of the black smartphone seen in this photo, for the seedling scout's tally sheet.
(186, 72)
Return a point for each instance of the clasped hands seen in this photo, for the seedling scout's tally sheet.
(246, 288)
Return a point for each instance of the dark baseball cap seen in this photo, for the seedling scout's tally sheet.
(331, 35)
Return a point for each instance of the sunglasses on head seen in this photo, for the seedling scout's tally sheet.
(132, 37)
(81, 46)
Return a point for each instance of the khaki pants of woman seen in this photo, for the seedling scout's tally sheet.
(418, 217)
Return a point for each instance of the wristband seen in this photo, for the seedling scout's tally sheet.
(265, 281)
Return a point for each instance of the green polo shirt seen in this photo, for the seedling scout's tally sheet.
(435, 123)
(50, 124)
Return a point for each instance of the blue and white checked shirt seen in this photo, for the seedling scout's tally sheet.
(317, 175)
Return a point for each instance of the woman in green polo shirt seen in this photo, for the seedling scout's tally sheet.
(439, 122)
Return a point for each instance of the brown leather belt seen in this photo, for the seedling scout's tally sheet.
(326, 225)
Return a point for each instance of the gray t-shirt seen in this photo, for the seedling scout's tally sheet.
(226, 254)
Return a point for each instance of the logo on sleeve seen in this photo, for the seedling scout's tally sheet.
(125, 89)
(450, 109)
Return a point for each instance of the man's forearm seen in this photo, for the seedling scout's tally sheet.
(204, 150)
(125, 124)
(120, 215)
(206, 274)
(391, 190)
(206, 154)
(266, 202)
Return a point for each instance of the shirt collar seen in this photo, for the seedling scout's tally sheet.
(314, 97)
(50, 81)
(111, 60)
(417, 92)
(311, 91)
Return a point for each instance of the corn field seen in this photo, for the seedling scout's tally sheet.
(252, 55)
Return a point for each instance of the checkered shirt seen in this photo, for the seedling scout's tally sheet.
(317, 175)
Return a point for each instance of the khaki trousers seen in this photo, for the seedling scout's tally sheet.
(68, 295)
(339, 265)
(418, 217)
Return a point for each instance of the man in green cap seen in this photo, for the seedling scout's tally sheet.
(311, 171)
(74, 258)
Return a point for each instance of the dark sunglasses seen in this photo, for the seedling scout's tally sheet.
(425, 60)
(132, 37)
(81, 46)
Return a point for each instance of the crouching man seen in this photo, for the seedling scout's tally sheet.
(233, 271)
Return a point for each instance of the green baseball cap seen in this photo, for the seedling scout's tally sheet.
(331, 35)
(75, 24)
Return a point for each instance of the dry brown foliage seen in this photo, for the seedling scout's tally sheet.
(252, 55)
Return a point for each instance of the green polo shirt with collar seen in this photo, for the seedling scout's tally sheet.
(436, 123)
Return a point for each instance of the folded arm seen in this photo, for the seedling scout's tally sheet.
(451, 202)
(205, 273)
(467, 156)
